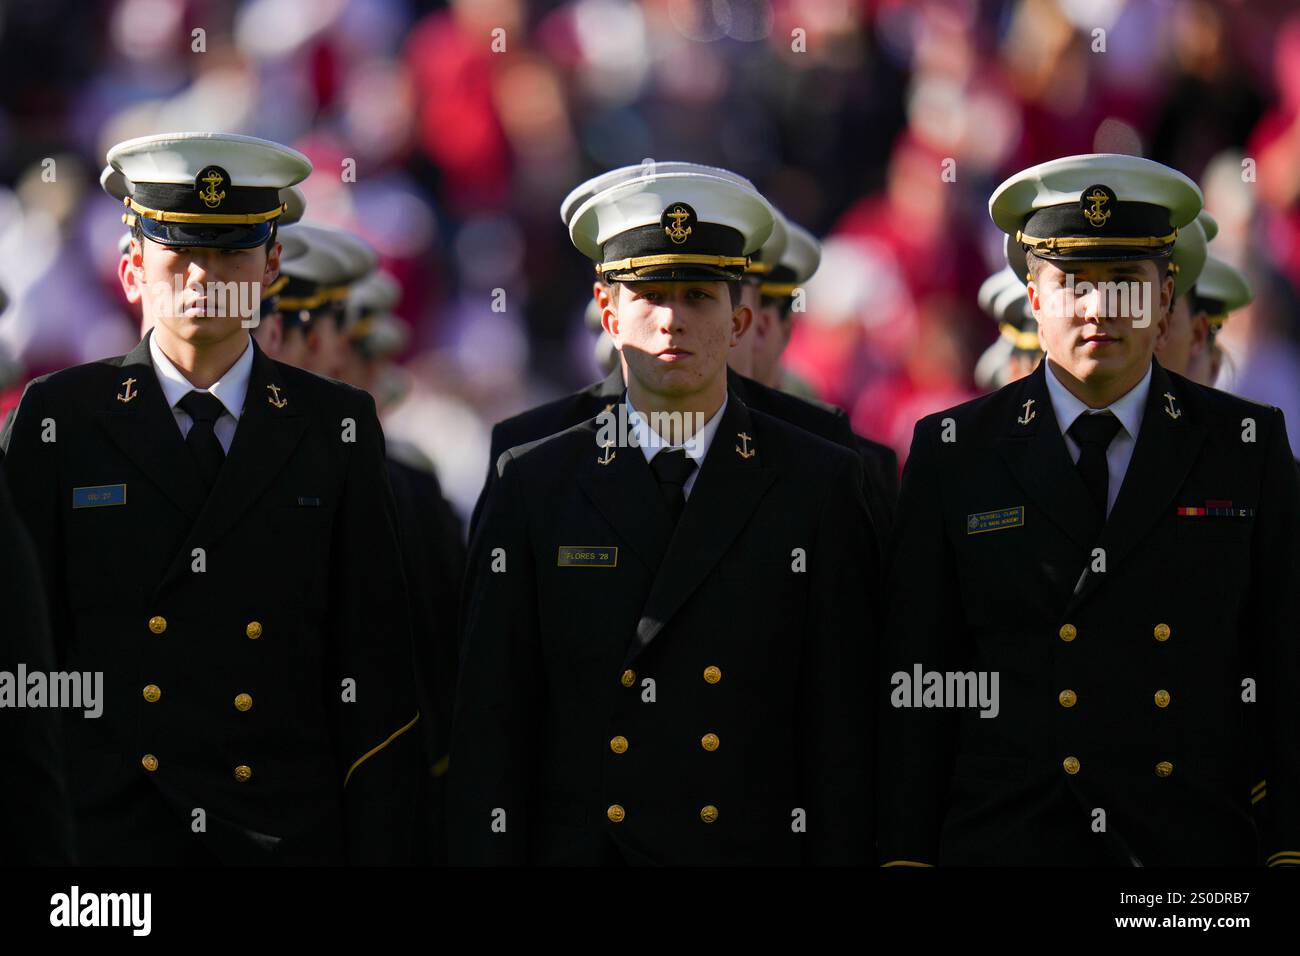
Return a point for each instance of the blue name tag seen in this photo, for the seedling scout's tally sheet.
(305, 502)
(98, 496)
(575, 556)
(995, 520)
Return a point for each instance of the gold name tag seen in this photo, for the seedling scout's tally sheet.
(576, 556)
(995, 520)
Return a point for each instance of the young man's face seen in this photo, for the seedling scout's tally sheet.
(1107, 328)
(770, 334)
(193, 314)
(674, 336)
(1184, 346)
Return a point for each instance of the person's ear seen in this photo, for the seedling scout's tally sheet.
(764, 325)
(272, 265)
(1035, 304)
(741, 319)
(1164, 314)
(1200, 332)
(127, 275)
(608, 312)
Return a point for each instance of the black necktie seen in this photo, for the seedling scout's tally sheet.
(1093, 434)
(672, 468)
(204, 408)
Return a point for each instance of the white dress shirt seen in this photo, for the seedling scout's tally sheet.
(697, 446)
(231, 389)
(1129, 409)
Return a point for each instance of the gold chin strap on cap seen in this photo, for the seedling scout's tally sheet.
(777, 290)
(670, 259)
(275, 286)
(759, 268)
(328, 294)
(205, 218)
(1061, 243)
(1026, 341)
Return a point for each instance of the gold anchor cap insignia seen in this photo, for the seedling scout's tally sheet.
(610, 454)
(130, 391)
(745, 451)
(208, 183)
(1029, 414)
(1170, 408)
(676, 220)
(1093, 201)
(274, 398)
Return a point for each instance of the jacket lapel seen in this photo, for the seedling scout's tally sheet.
(1169, 439)
(265, 438)
(144, 428)
(621, 486)
(726, 492)
(1034, 450)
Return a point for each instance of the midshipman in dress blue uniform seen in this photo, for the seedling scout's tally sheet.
(1149, 679)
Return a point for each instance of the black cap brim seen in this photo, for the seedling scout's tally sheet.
(206, 234)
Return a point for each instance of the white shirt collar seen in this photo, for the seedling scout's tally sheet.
(1128, 408)
(650, 441)
(231, 389)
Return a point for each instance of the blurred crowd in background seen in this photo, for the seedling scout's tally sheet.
(846, 113)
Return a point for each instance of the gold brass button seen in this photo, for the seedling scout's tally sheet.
(618, 745)
(1068, 632)
(254, 630)
(243, 702)
(709, 814)
(149, 762)
(243, 773)
(628, 678)
(1068, 698)
(1164, 768)
(709, 742)
(152, 692)
(615, 813)
(1071, 765)
(157, 623)
(1162, 632)
(712, 674)
(1162, 698)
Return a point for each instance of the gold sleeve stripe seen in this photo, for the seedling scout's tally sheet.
(1259, 786)
(907, 863)
(1258, 797)
(374, 750)
(1289, 857)
(440, 768)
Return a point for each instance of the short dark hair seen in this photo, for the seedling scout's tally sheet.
(733, 290)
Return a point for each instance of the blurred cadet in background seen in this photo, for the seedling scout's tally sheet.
(1005, 300)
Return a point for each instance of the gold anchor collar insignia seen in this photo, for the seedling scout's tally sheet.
(130, 392)
(1172, 410)
(1029, 413)
(609, 455)
(743, 449)
(1094, 202)
(209, 182)
(274, 398)
(677, 221)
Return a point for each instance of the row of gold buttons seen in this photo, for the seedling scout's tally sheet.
(1069, 632)
(616, 813)
(711, 675)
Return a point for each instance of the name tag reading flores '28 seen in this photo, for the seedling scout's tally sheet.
(995, 520)
(574, 556)
(98, 496)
